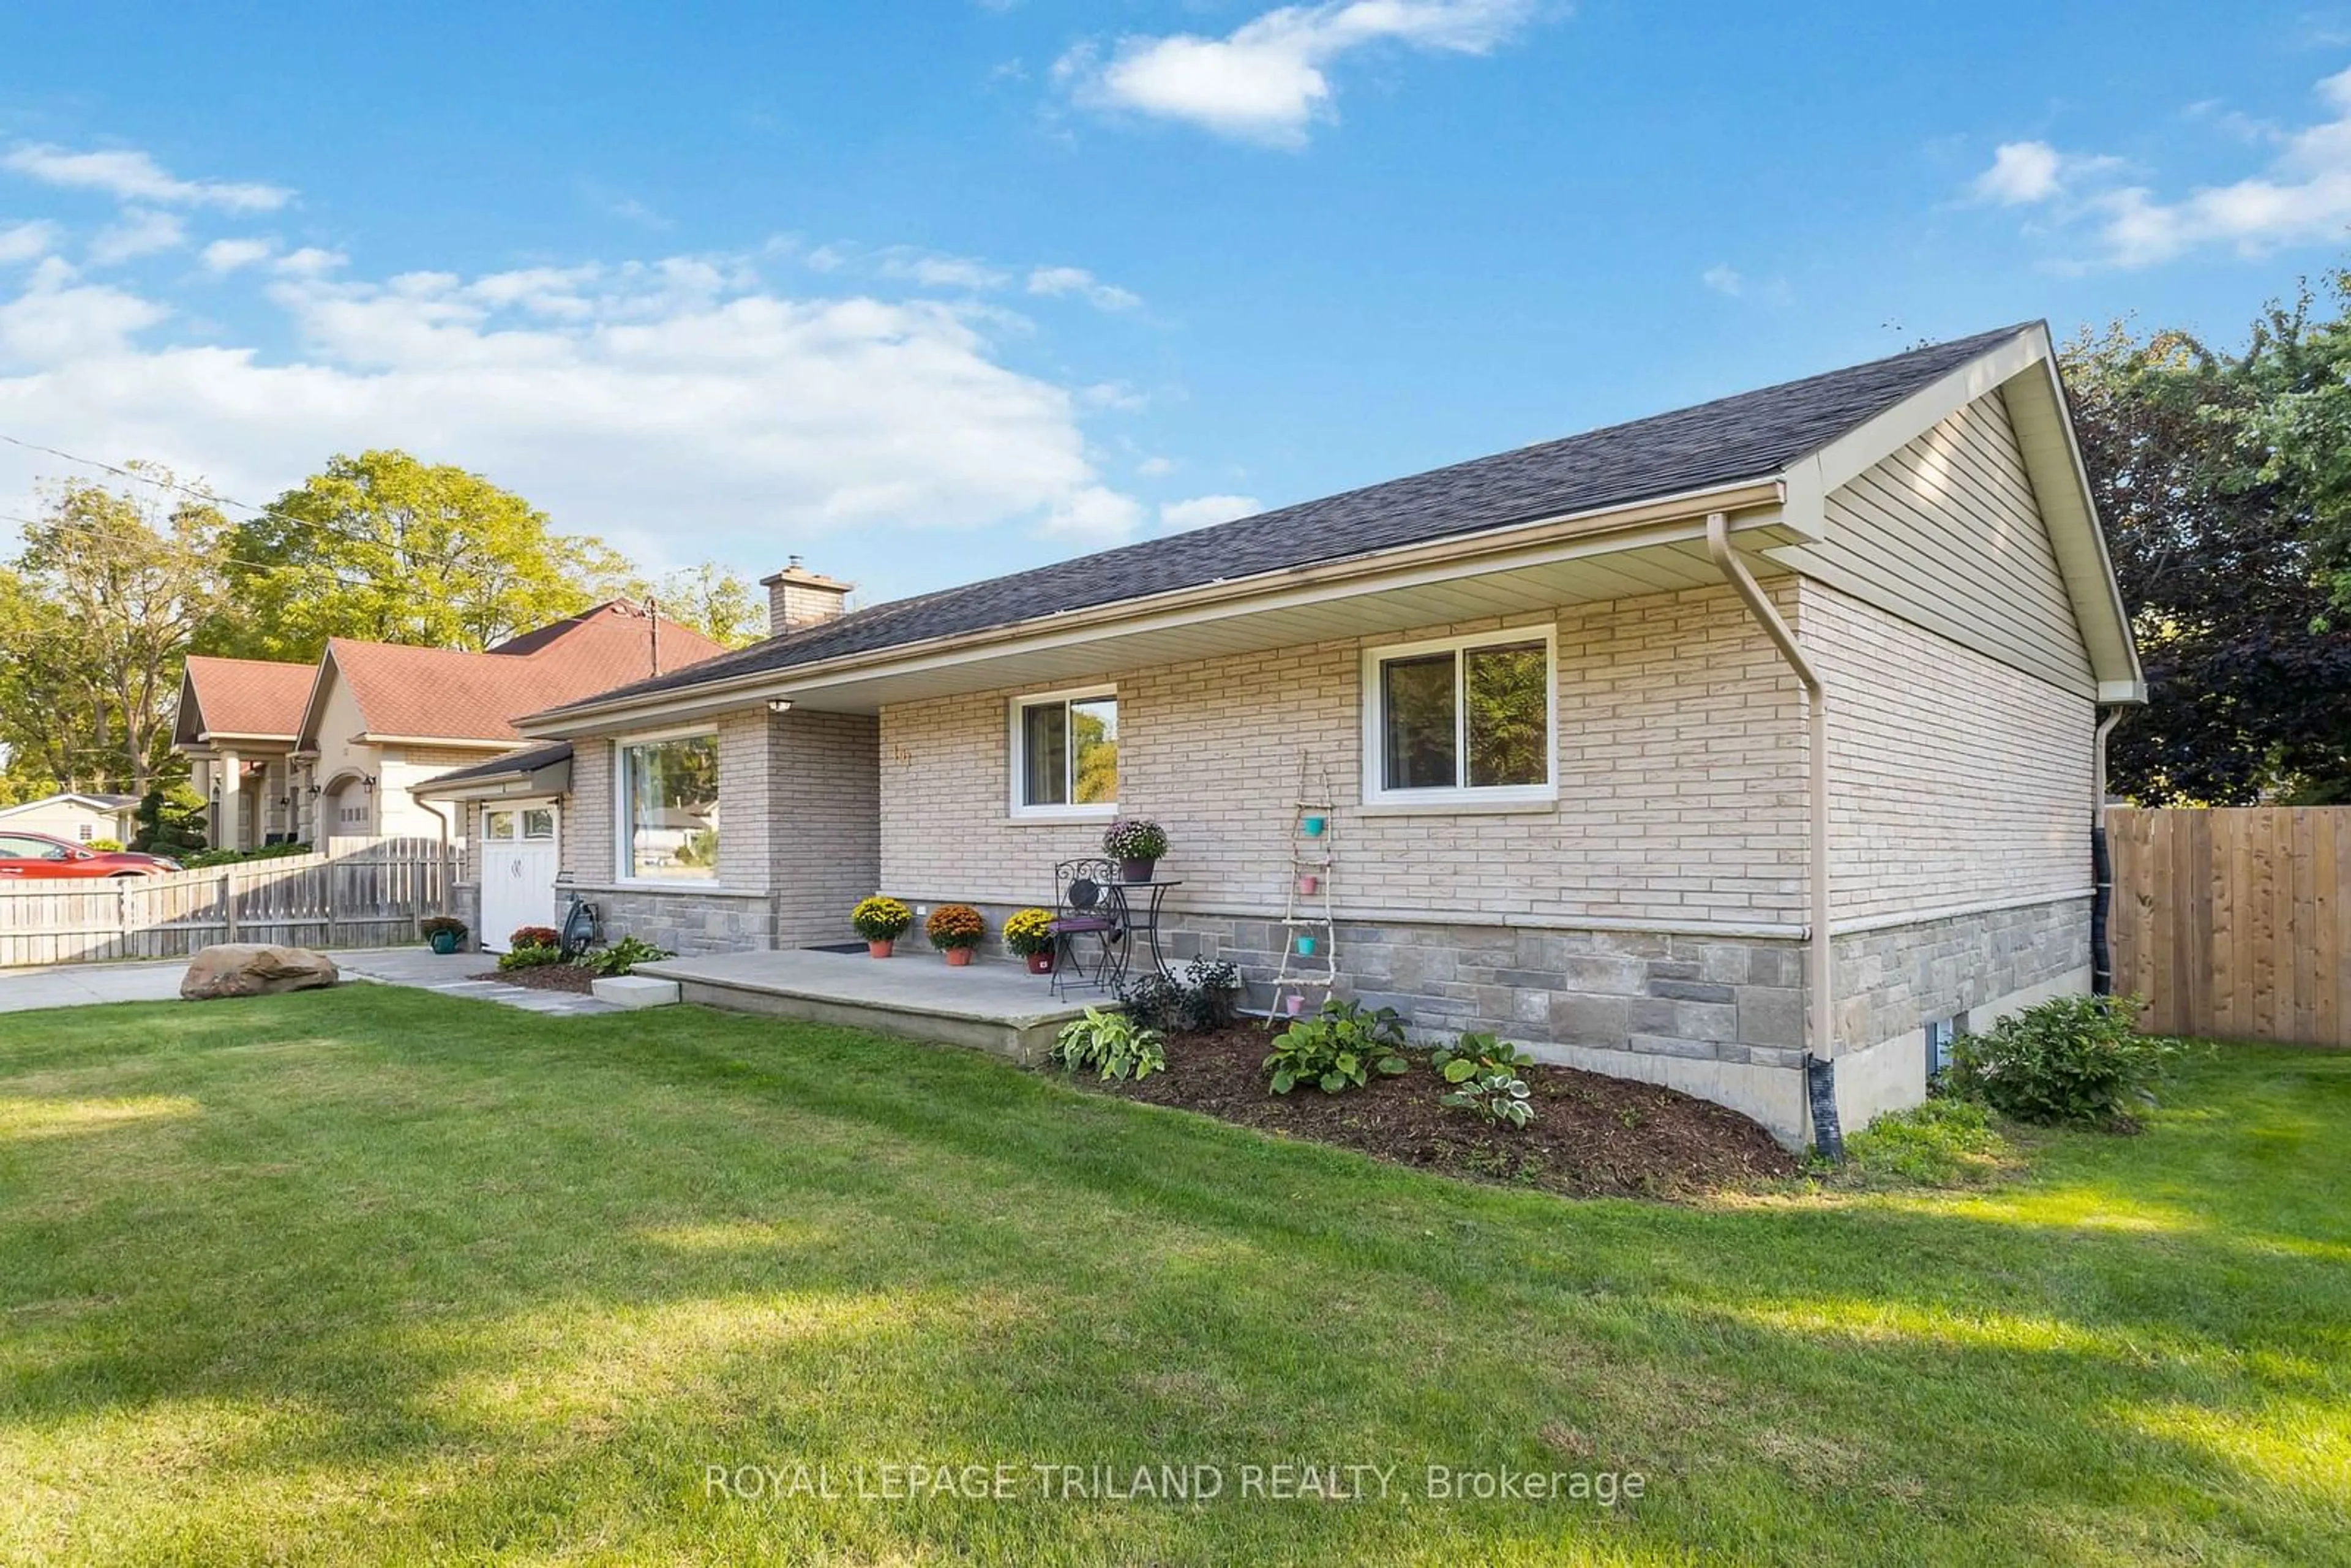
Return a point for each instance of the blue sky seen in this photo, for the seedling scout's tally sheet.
(928, 291)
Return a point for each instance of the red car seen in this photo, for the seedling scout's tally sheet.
(23, 856)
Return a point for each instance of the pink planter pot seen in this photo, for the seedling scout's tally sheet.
(878, 949)
(1309, 882)
(1296, 1004)
(958, 957)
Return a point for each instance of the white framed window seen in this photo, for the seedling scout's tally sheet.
(538, 822)
(497, 824)
(666, 808)
(1065, 756)
(1462, 721)
(84, 832)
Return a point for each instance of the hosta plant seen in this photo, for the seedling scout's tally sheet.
(622, 957)
(1477, 1056)
(1338, 1048)
(1503, 1098)
(1111, 1044)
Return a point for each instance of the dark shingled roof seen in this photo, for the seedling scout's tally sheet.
(528, 760)
(1752, 435)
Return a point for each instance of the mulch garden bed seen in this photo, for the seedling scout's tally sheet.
(544, 978)
(1592, 1136)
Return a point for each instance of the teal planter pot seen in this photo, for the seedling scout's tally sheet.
(1306, 947)
(1315, 826)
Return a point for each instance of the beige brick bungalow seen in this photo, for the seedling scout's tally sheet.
(1681, 749)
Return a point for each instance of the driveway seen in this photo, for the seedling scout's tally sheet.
(86, 985)
(81, 984)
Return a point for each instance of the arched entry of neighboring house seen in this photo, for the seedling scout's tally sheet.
(345, 809)
(519, 856)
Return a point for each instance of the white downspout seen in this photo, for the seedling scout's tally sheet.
(1820, 1030)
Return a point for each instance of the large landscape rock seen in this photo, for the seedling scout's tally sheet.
(255, 969)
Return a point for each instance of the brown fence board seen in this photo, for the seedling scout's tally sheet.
(2229, 921)
(361, 893)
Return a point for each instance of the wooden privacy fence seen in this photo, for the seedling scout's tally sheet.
(2230, 922)
(362, 894)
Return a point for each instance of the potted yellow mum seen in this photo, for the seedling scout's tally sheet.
(881, 921)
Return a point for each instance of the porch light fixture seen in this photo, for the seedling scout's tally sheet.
(779, 705)
(367, 782)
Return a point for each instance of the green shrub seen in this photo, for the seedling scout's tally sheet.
(1943, 1143)
(622, 957)
(1113, 1044)
(1338, 1048)
(104, 846)
(529, 955)
(2071, 1059)
(1199, 1003)
(203, 858)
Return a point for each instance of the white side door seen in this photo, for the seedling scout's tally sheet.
(519, 856)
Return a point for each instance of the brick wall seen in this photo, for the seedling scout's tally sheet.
(1954, 778)
(824, 808)
(1679, 755)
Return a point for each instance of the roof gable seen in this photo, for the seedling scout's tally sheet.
(247, 698)
(447, 693)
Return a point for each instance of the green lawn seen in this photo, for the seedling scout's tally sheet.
(376, 1275)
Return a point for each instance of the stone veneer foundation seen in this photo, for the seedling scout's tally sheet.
(1719, 1017)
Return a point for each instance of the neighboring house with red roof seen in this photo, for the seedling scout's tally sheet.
(289, 751)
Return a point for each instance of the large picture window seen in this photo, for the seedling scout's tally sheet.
(1065, 755)
(1464, 720)
(669, 810)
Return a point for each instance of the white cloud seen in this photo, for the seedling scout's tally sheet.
(1201, 511)
(228, 255)
(310, 261)
(140, 231)
(1096, 514)
(1268, 79)
(28, 241)
(2303, 196)
(1724, 279)
(679, 406)
(1154, 467)
(1056, 281)
(931, 271)
(135, 176)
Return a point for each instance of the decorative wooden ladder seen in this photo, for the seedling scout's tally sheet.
(1307, 931)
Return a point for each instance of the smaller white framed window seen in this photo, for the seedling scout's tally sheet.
(1463, 721)
(83, 832)
(497, 825)
(1064, 752)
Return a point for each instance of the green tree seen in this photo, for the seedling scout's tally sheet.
(2224, 482)
(716, 600)
(96, 617)
(387, 549)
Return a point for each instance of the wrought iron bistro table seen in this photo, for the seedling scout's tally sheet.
(1137, 909)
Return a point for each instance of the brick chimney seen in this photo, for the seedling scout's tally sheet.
(798, 597)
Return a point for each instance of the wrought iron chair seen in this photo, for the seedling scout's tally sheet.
(1085, 913)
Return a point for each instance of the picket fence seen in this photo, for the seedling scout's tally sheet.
(358, 892)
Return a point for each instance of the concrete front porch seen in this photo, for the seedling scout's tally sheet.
(995, 1006)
